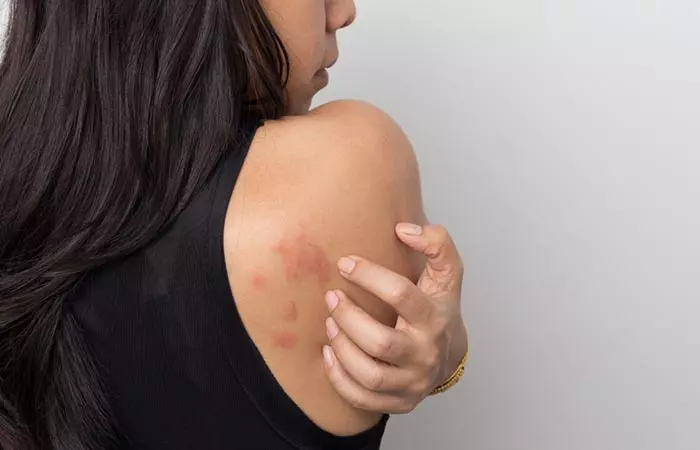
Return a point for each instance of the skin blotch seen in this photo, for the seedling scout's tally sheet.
(285, 340)
(289, 311)
(303, 260)
(258, 281)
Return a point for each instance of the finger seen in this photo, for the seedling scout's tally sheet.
(360, 397)
(374, 338)
(435, 242)
(398, 291)
(368, 372)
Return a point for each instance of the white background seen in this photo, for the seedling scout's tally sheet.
(559, 140)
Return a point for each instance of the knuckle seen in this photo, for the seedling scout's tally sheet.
(401, 293)
(384, 346)
(419, 387)
(431, 357)
(424, 387)
(375, 379)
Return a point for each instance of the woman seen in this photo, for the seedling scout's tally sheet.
(147, 304)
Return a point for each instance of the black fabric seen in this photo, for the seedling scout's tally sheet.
(179, 368)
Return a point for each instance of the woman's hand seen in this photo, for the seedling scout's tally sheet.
(391, 370)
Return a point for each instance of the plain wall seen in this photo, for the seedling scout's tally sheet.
(559, 141)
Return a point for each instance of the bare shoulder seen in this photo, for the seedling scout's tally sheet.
(348, 131)
(315, 188)
(344, 163)
(356, 120)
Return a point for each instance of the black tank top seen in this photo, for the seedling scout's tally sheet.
(178, 367)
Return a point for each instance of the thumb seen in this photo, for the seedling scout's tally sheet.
(435, 242)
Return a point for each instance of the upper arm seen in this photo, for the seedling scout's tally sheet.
(314, 189)
(365, 180)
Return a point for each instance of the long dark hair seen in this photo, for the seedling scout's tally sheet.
(112, 114)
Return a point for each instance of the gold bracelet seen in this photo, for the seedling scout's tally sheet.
(454, 378)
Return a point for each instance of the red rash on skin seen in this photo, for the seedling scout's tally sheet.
(258, 281)
(284, 340)
(302, 259)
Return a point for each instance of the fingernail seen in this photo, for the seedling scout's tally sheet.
(346, 265)
(410, 229)
(328, 356)
(332, 300)
(331, 328)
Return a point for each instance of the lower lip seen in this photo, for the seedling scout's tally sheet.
(323, 77)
